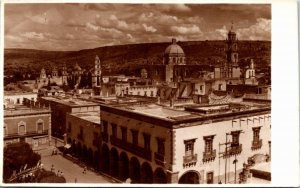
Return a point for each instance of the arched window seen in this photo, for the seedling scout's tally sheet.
(22, 128)
(40, 126)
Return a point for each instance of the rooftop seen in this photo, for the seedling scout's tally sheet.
(70, 101)
(168, 116)
(14, 92)
(160, 112)
(93, 117)
(24, 110)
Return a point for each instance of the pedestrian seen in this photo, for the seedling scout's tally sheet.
(57, 173)
(75, 180)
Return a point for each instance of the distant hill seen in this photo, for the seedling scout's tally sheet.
(127, 59)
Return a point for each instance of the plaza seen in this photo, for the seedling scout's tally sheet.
(71, 171)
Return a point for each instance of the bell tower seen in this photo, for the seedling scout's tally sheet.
(97, 73)
(232, 56)
(64, 75)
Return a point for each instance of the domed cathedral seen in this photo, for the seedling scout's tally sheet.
(174, 66)
(174, 56)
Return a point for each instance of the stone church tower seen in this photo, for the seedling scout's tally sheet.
(231, 68)
(64, 75)
(97, 73)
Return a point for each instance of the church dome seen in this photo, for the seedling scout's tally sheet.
(174, 48)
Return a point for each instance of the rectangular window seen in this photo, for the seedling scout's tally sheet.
(257, 142)
(124, 134)
(235, 138)
(201, 87)
(18, 101)
(134, 137)
(208, 143)
(220, 86)
(145, 93)
(160, 146)
(40, 127)
(256, 131)
(147, 138)
(210, 177)
(189, 147)
(114, 130)
(21, 129)
(209, 153)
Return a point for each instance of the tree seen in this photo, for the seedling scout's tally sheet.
(16, 156)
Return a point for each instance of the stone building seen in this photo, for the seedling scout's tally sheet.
(153, 144)
(60, 106)
(84, 136)
(29, 122)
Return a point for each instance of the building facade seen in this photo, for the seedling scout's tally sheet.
(153, 144)
(60, 106)
(30, 123)
(84, 136)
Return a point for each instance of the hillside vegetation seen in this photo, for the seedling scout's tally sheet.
(127, 59)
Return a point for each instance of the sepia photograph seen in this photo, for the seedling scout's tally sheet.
(142, 93)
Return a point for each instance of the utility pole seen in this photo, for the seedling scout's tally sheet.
(225, 154)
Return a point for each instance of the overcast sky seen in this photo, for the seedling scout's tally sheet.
(83, 26)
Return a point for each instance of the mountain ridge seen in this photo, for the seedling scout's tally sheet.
(130, 57)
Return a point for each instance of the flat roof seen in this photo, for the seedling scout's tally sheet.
(167, 116)
(161, 112)
(10, 93)
(93, 117)
(24, 110)
(69, 101)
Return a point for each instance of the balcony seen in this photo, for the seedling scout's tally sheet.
(26, 134)
(189, 160)
(137, 150)
(159, 159)
(233, 150)
(256, 144)
(209, 156)
(104, 137)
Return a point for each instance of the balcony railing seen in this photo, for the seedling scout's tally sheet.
(137, 150)
(104, 137)
(159, 159)
(25, 134)
(233, 150)
(209, 156)
(190, 160)
(256, 144)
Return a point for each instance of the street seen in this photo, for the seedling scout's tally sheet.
(71, 171)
